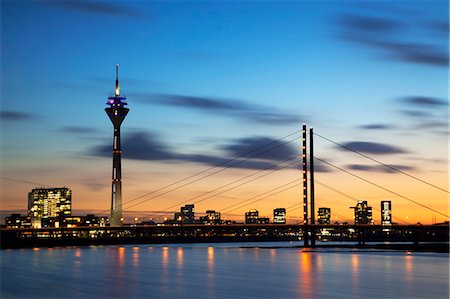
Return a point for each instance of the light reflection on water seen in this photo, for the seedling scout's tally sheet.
(220, 270)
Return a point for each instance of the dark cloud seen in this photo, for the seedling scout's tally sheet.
(8, 115)
(139, 146)
(370, 23)
(96, 7)
(373, 148)
(441, 27)
(145, 146)
(424, 102)
(386, 34)
(276, 151)
(379, 168)
(79, 130)
(228, 107)
(377, 127)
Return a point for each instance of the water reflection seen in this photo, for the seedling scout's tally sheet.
(135, 257)
(409, 270)
(305, 285)
(180, 257)
(165, 257)
(273, 256)
(194, 271)
(211, 258)
(121, 256)
(355, 273)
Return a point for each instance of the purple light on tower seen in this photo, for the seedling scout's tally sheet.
(117, 113)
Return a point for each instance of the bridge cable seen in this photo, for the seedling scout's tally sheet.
(381, 163)
(353, 198)
(210, 168)
(379, 186)
(238, 180)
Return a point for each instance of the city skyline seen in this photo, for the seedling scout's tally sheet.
(206, 85)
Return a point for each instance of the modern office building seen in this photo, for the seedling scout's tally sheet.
(186, 214)
(324, 216)
(117, 113)
(48, 202)
(279, 216)
(211, 217)
(363, 213)
(386, 212)
(251, 217)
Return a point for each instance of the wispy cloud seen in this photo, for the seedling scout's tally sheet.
(9, 115)
(424, 102)
(377, 127)
(379, 168)
(373, 148)
(78, 130)
(228, 107)
(387, 36)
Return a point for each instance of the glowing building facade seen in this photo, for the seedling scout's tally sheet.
(363, 213)
(251, 217)
(45, 203)
(386, 212)
(117, 113)
(186, 214)
(211, 217)
(324, 215)
(279, 216)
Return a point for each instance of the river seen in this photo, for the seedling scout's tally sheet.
(221, 270)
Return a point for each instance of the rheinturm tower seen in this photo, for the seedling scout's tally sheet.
(116, 112)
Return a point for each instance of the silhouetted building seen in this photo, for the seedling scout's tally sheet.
(251, 217)
(211, 217)
(18, 221)
(363, 213)
(324, 216)
(48, 202)
(279, 216)
(116, 112)
(75, 221)
(186, 214)
(263, 220)
(386, 212)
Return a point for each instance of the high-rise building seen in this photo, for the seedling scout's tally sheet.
(186, 214)
(386, 212)
(48, 202)
(251, 217)
(211, 217)
(116, 112)
(324, 216)
(279, 216)
(363, 213)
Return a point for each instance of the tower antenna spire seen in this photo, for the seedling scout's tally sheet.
(117, 81)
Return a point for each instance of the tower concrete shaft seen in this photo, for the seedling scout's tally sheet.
(117, 113)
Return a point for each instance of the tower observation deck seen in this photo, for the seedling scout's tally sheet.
(117, 113)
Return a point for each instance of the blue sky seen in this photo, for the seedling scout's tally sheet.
(206, 78)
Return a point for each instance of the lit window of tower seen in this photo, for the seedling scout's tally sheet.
(116, 112)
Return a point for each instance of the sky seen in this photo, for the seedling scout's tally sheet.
(207, 82)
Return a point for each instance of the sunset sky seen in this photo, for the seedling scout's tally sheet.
(210, 81)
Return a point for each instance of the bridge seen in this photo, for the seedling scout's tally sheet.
(308, 231)
(157, 234)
